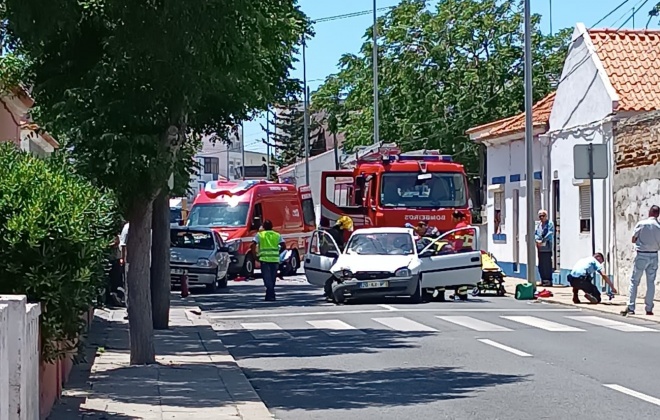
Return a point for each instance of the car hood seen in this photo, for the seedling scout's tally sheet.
(356, 263)
(187, 255)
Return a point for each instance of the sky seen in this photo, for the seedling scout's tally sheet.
(335, 38)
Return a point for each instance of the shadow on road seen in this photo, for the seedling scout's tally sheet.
(316, 343)
(323, 389)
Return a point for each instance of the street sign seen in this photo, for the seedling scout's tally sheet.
(590, 155)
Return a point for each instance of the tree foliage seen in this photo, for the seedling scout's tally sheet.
(441, 72)
(126, 81)
(57, 229)
(289, 138)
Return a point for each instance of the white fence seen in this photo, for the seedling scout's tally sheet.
(19, 358)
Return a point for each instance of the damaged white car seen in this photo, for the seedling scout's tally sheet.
(380, 262)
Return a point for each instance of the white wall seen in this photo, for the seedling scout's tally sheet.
(506, 159)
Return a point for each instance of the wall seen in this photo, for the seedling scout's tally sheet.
(636, 187)
(9, 130)
(507, 159)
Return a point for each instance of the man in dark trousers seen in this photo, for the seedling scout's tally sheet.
(269, 244)
(580, 278)
(545, 242)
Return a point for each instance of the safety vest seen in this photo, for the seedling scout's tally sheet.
(269, 246)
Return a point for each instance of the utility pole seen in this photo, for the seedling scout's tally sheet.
(242, 152)
(529, 156)
(268, 144)
(375, 65)
(305, 113)
(227, 159)
(550, 13)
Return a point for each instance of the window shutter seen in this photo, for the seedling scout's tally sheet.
(585, 202)
(537, 200)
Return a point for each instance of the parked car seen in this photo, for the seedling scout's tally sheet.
(379, 262)
(201, 253)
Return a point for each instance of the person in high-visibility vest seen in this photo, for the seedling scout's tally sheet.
(269, 245)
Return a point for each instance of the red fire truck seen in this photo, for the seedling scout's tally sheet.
(391, 188)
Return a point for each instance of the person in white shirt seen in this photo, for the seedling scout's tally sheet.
(646, 238)
(123, 241)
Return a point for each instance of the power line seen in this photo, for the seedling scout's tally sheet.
(350, 15)
(611, 12)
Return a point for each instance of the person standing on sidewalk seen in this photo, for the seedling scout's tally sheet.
(580, 278)
(646, 238)
(545, 241)
(269, 244)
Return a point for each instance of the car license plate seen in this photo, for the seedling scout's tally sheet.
(372, 284)
(177, 271)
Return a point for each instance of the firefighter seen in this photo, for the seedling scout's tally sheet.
(270, 244)
(338, 232)
(464, 241)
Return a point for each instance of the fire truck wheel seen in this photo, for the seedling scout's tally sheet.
(248, 266)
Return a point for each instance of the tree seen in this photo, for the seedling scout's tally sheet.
(441, 72)
(289, 138)
(126, 82)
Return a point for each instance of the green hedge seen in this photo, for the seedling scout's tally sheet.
(55, 232)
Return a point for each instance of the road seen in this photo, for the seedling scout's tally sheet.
(489, 358)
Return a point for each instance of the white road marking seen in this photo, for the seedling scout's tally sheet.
(503, 347)
(389, 307)
(543, 324)
(632, 393)
(224, 316)
(335, 327)
(403, 324)
(265, 330)
(473, 323)
(612, 324)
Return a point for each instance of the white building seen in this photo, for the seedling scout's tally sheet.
(218, 160)
(609, 76)
(506, 201)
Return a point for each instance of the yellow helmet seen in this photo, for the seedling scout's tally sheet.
(345, 222)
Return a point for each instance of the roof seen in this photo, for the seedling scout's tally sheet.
(40, 132)
(631, 59)
(540, 118)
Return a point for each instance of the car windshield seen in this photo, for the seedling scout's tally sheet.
(435, 190)
(191, 239)
(218, 215)
(380, 244)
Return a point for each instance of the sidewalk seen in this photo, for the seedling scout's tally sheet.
(564, 296)
(195, 376)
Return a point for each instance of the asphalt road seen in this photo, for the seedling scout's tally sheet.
(490, 358)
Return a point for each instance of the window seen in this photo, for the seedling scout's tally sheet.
(211, 165)
(499, 212)
(431, 190)
(308, 212)
(191, 239)
(314, 246)
(585, 208)
(257, 216)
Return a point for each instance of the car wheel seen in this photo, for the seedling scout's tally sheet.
(248, 266)
(213, 287)
(292, 267)
(418, 294)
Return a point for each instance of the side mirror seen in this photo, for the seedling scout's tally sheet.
(332, 253)
(426, 254)
(223, 249)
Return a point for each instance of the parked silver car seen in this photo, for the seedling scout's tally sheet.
(201, 254)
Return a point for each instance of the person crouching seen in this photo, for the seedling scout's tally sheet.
(580, 278)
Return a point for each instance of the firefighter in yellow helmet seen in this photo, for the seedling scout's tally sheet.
(339, 233)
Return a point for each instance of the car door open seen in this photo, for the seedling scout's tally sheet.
(453, 259)
(321, 255)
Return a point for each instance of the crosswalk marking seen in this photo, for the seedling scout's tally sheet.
(265, 330)
(473, 323)
(335, 327)
(612, 324)
(542, 324)
(403, 324)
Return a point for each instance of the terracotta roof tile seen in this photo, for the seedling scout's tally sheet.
(540, 117)
(632, 62)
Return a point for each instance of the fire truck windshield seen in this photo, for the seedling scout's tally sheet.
(430, 190)
(218, 215)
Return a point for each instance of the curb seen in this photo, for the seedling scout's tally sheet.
(249, 404)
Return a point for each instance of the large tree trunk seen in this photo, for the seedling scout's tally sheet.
(160, 261)
(138, 284)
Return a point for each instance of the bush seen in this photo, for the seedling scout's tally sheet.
(55, 235)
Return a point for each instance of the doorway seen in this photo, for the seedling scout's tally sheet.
(556, 220)
(516, 231)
